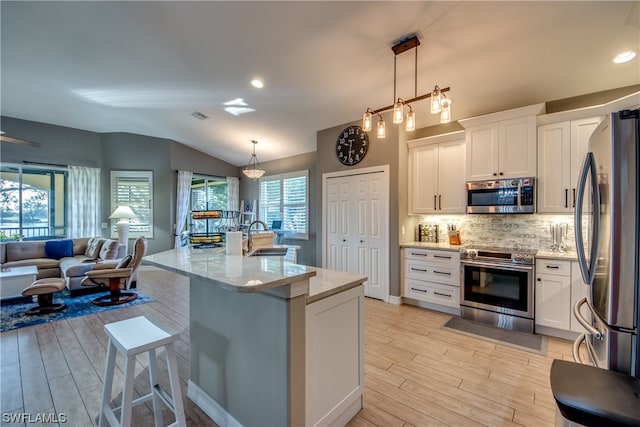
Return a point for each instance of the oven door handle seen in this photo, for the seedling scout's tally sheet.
(511, 267)
(584, 322)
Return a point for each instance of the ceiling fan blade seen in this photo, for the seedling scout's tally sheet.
(13, 140)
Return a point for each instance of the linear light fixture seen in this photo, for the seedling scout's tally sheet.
(439, 101)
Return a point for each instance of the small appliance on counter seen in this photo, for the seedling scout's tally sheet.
(454, 235)
(427, 233)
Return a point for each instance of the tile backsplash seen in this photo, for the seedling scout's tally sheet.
(519, 231)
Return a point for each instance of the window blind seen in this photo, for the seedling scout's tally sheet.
(285, 197)
(133, 189)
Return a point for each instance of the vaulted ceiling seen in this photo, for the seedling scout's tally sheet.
(144, 67)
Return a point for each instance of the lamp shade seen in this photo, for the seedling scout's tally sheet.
(122, 212)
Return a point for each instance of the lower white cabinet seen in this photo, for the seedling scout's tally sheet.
(432, 276)
(558, 286)
(553, 294)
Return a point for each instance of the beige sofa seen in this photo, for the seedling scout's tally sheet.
(88, 254)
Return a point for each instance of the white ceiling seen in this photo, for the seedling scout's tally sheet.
(144, 67)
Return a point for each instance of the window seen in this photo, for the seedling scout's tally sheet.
(286, 197)
(32, 202)
(207, 193)
(133, 189)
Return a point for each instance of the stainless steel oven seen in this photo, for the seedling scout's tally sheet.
(497, 287)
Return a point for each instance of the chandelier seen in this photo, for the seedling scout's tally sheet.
(253, 170)
(439, 101)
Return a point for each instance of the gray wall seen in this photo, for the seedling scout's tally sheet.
(249, 191)
(115, 151)
(381, 152)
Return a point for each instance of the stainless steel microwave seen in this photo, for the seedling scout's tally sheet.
(504, 196)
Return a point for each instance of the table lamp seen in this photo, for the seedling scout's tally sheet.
(123, 213)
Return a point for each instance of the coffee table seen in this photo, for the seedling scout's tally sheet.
(14, 279)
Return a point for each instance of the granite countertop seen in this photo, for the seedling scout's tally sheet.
(569, 255)
(445, 246)
(330, 282)
(235, 273)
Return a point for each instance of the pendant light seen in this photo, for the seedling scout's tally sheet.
(438, 101)
(253, 170)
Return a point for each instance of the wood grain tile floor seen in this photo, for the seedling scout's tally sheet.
(417, 374)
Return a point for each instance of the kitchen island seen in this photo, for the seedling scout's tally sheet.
(271, 342)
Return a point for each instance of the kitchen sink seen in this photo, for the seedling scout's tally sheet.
(269, 252)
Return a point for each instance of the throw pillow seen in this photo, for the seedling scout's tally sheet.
(57, 249)
(94, 245)
(124, 262)
(109, 249)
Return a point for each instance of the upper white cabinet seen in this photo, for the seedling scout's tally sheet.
(436, 184)
(502, 145)
(561, 150)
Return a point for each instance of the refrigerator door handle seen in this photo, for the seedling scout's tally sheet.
(587, 270)
(584, 322)
(575, 351)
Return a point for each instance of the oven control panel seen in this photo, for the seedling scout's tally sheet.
(503, 255)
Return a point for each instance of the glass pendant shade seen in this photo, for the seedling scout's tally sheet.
(436, 99)
(366, 121)
(380, 131)
(398, 113)
(445, 114)
(411, 121)
(253, 169)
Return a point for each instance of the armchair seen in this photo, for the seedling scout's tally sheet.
(118, 278)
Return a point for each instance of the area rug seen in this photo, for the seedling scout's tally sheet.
(12, 312)
(521, 340)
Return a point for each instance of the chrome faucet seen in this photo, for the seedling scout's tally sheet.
(249, 238)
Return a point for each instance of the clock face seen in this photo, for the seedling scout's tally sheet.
(352, 145)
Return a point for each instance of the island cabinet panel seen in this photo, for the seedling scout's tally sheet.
(335, 358)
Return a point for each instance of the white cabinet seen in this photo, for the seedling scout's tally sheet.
(561, 150)
(505, 149)
(432, 276)
(435, 182)
(502, 145)
(553, 294)
(578, 290)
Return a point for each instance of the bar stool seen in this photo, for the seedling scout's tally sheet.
(132, 337)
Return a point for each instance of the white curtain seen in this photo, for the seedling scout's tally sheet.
(84, 202)
(233, 193)
(182, 204)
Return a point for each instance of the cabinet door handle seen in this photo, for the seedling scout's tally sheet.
(420, 254)
(553, 267)
(566, 197)
(442, 272)
(435, 200)
(419, 290)
(539, 279)
(440, 202)
(418, 269)
(442, 256)
(573, 204)
(442, 295)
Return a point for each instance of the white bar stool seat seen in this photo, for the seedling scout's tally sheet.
(132, 337)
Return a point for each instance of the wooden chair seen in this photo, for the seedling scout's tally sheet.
(118, 278)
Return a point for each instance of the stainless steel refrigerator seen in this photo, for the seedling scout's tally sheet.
(607, 240)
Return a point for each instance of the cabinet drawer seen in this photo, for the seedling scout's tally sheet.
(550, 266)
(432, 255)
(447, 273)
(432, 292)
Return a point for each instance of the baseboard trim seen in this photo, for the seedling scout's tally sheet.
(210, 407)
(395, 300)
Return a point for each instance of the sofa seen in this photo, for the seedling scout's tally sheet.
(69, 259)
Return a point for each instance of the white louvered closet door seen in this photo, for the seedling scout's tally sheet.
(357, 229)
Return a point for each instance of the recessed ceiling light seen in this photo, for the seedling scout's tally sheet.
(623, 57)
(257, 83)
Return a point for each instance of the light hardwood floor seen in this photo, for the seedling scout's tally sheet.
(417, 374)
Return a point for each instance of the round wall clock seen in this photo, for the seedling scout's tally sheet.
(352, 145)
